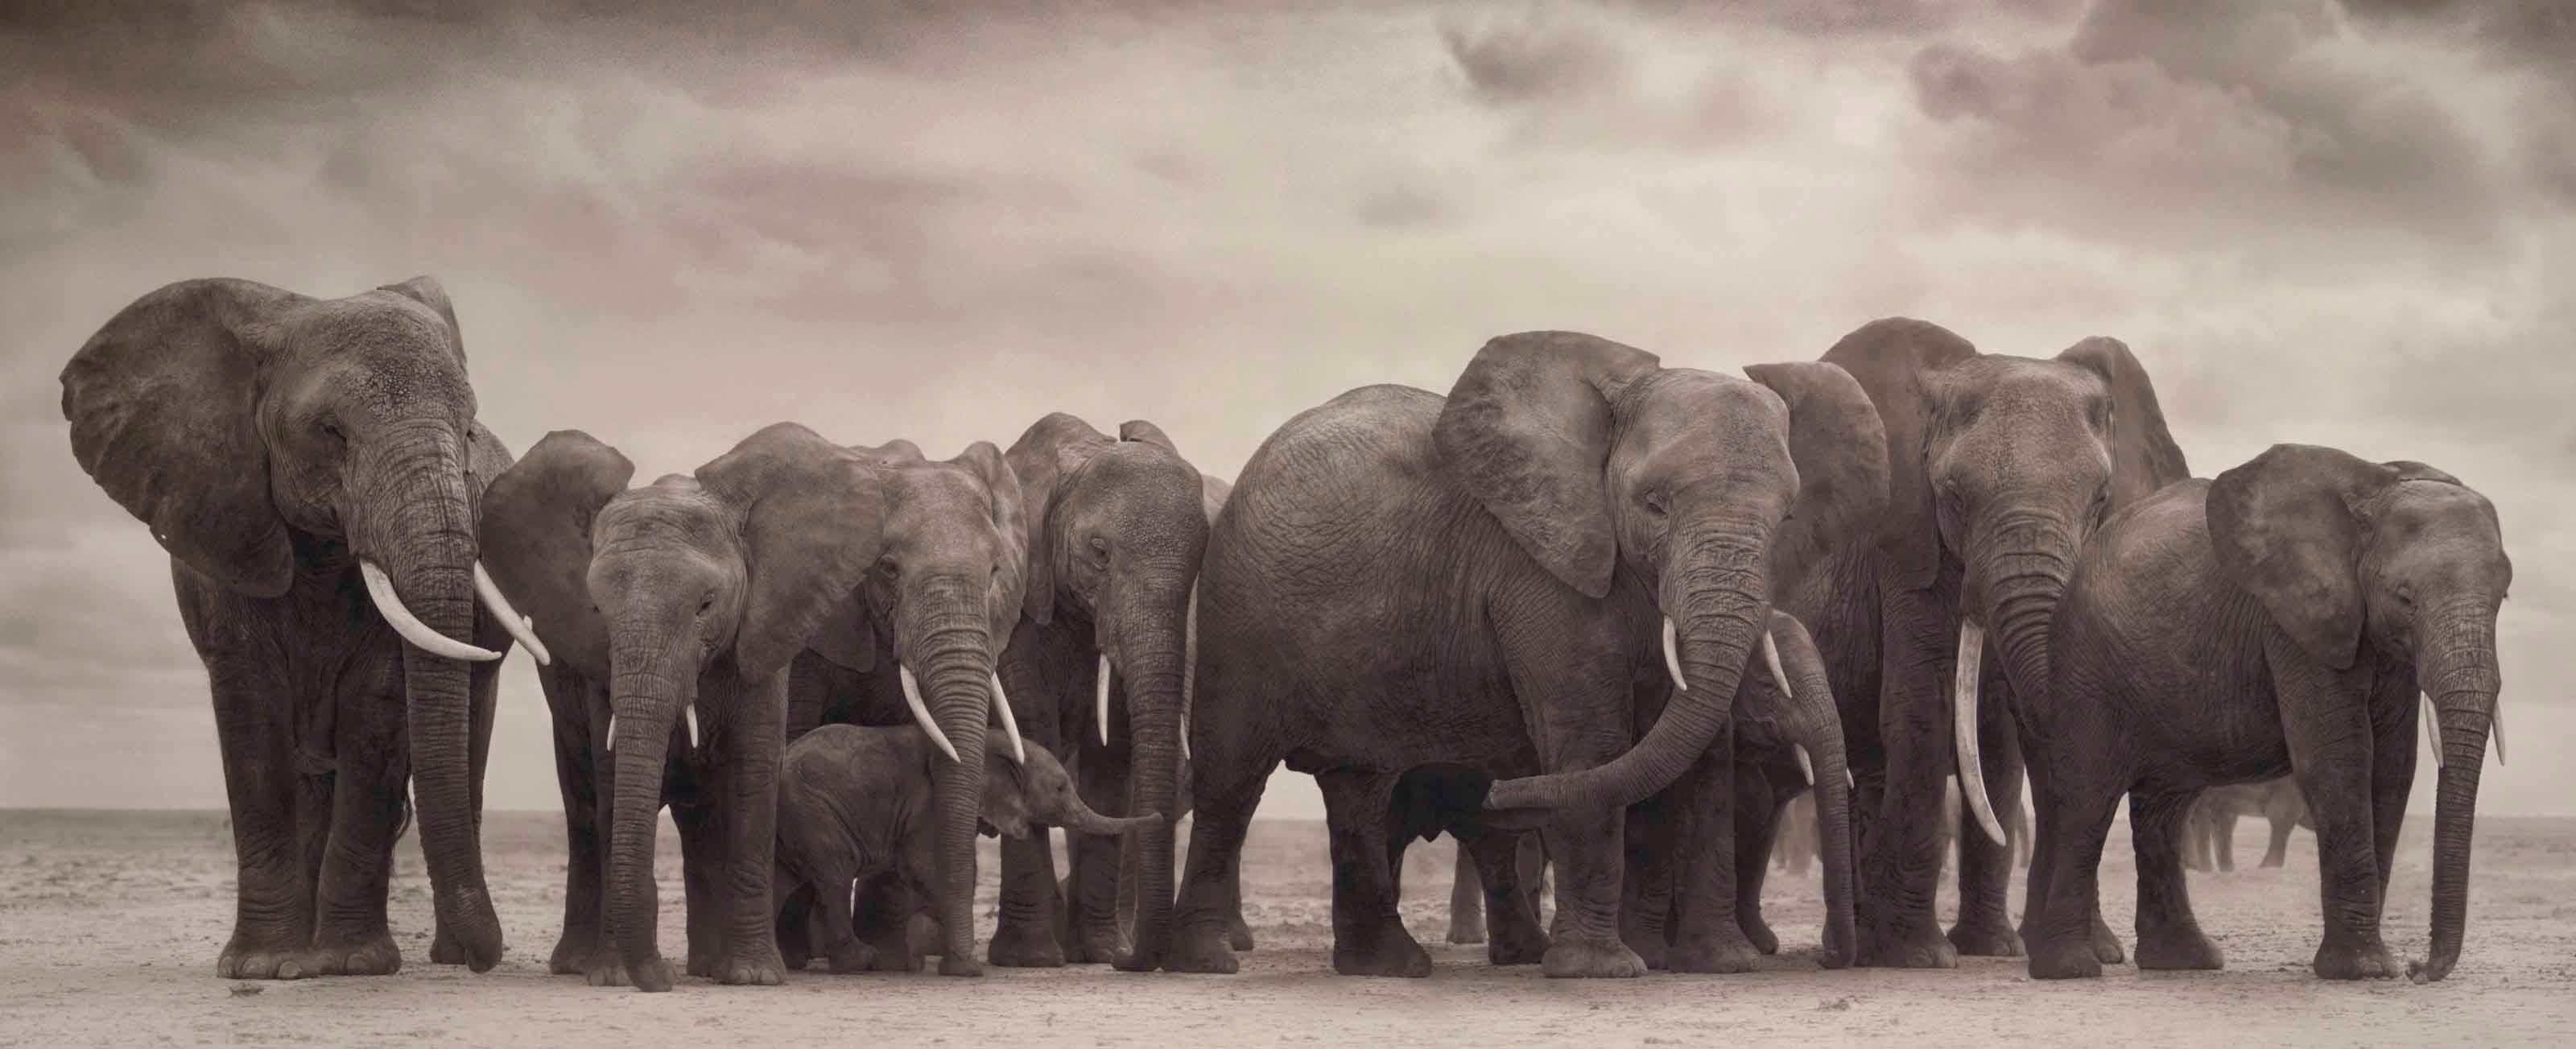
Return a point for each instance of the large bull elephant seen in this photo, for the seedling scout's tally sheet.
(1410, 588)
(1097, 664)
(676, 608)
(2001, 467)
(2282, 618)
(314, 469)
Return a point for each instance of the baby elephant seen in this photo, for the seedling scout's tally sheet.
(855, 805)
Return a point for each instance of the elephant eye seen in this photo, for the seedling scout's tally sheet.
(1655, 504)
(1099, 546)
(2406, 595)
(888, 567)
(331, 428)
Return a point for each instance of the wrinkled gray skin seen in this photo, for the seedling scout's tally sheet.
(1767, 726)
(689, 594)
(2001, 467)
(1407, 587)
(2209, 832)
(1116, 528)
(2282, 618)
(858, 804)
(942, 598)
(272, 441)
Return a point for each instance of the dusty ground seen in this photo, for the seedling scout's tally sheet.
(110, 922)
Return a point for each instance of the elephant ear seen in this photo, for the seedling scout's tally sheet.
(1527, 431)
(535, 540)
(1840, 449)
(1213, 492)
(2144, 457)
(164, 411)
(845, 636)
(425, 291)
(1010, 518)
(813, 521)
(2285, 526)
(1892, 358)
(1148, 433)
(1041, 458)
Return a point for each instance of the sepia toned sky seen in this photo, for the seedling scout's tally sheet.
(2345, 223)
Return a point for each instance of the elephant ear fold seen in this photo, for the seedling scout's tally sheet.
(1041, 458)
(2285, 527)
(1893, 359)
(845, 636)
(1213, 492)
(1009, 515)
(425, 291)
(535, 540)
(2144, 457)
(813, 521)
(164, 405)
(1840, 449)
(1527, 431)
(1148, 433)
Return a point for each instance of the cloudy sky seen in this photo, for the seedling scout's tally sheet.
(2349, 223)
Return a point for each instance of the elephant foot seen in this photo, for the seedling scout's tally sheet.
(750, 970)
(959, 965)
(1759, 932)
(2180, 948)
(924, 929)
(248, 961)
(1516, 943)
(2066, 958)
(2106, 944)
(1195, 948)
(1391, 952)
(1023, 946)
(444, 950)
(702, 963)
(1466, 930)
(1986, 938)
(573, 954)
(1649, 946)
(1093, 947)
(1238, 933)
(374, 956)
(1579, 959)
(2343, 959)
(654, 976)
(1726, 950)
(1909, 945)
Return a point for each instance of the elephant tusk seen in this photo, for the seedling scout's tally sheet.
(1010, 725)
(2495, 728)
(1100, 704)
(1189, 667)
(1850, 783)
(921, 712)
(612, 732)
(1804, 767)
(1963, 708)
(1673, 654)
(1771, 655)
(689, 715)
(2432, 729)
(380, 589)
(522, 629)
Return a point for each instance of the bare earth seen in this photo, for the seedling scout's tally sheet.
(110, 922)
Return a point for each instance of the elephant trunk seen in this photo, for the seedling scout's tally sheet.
(1715, 599)
(1816, 724)
(649, 689)
(426, 540)
(2465, 686)
(1153, 659)
(2016, 586)
(948, 647)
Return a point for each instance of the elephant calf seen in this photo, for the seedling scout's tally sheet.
(855, 805)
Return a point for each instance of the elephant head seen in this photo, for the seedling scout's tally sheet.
(1806, 718)
(270, 439)
(2000, 468)
(1041, 793)
(2398, 558)
(1599, 461)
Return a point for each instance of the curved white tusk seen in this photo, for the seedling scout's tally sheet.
(689, 714)
(612, 732)
(1673, 654)
(1189, 668)
(1804, 768)
(1100, 704)
(1771, 655)
(1850, 783)
(522, 629)
(1010, 725)
(2432, 728)
(1963, 707)
(380, 588)
(921, 712)
(2495, 728)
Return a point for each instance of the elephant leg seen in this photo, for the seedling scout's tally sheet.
(273, 905)
(1757, 824)
(2195, 840)
(1369, 938)
(2169, 937)
(1903, 855)
(834, 925)
(1025, 935)
(2392, 776)
(2074, 819)
(1705, 936)
(881, 920)
(350, 935)
(2331, 742)
(1531, 859)
(1226, 789)
(748, 746)
(701, 856)
(1583, 940)
(483, 691)
(2223, 841)
(586, 864)
(797, 926)
(1985, 929)
(1510, 896)
(2277, 851)
(1652, 845)
(1466, 897)
(1091, 907)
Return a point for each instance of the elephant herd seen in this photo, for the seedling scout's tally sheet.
(1586, 612)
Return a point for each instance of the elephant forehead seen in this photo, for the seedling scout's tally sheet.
(385, 351)
(1144, 475)
(2022, 384)
(1682, 408)
(673, 509)
(2449, 524)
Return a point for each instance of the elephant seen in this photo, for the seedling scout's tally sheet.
(2209, 832)
(314, 469)
(1098, 661)
(680, 603)
(856, 803)
(1399, 578)
(2001, 466)
(2281, 618)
